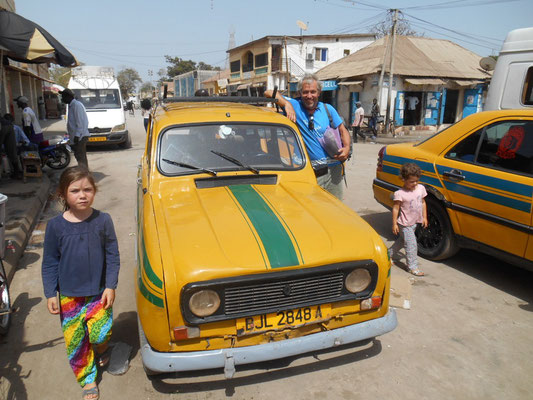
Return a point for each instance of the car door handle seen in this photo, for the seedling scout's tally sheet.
(454, 175)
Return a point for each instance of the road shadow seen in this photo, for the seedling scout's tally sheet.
(12, 346)
(270, 371)
(125, 329)
(382, 223)
(498, 274)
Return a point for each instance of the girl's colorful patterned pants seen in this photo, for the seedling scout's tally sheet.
(85, 323)
(407, 238)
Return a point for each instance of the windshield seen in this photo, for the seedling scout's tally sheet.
(98, 98)
(224, 147)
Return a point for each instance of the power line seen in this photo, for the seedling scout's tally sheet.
(376, 17)
(145, 56)
(453, 4)
(474, 37)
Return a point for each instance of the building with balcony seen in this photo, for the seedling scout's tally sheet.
(281, 60)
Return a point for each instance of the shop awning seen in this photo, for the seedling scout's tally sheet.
(350, 83)
(424, 81)
(243, 86)
(25, 41)
(467, 83)
(259, 84)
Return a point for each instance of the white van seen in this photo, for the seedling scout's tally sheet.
(98, 90)
(512, 81)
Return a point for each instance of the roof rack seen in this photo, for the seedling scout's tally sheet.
(220, 99)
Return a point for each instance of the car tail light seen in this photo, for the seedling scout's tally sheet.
(381, 153)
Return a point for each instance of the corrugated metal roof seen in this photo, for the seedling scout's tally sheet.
(413, 56)
(424, 81)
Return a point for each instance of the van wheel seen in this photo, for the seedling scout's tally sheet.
(127, 143)
(437, 241)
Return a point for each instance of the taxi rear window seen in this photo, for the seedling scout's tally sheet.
(222, 147)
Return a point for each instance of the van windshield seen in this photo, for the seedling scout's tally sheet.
(98, 98)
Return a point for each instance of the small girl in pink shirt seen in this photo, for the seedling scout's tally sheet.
(408, 211)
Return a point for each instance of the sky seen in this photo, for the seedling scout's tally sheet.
(138, 34)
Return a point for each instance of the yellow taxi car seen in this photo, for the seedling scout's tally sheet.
(242, 257)
(479, 177)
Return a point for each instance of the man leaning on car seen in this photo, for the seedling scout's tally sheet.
(312, 119)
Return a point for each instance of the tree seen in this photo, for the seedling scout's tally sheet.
(403, 28)
(147, 88)
(60, 75)
(180, 66)
(128, 78)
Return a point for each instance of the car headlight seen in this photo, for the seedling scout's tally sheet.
(357, 280)
(204, 303)
(118, 128)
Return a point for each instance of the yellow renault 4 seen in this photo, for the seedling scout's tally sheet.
(479, 177)
(242, 257)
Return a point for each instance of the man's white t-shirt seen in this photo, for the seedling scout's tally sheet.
(29, 118)
(359, 116)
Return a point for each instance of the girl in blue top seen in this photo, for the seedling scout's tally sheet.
(81, 263)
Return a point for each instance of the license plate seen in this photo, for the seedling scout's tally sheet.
(97, 139)
(283, 319)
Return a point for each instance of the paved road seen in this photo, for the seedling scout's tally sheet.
(466, 336)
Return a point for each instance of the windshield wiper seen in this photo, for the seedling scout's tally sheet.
(235, 161)
(183, 165)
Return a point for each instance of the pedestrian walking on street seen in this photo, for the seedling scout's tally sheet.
(358, 122)
(77, 126)
(408, 211)
(30, 124)
(374, 115)
(80, 265)
(313, 119)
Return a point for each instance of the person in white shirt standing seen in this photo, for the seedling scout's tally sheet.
(358, 122)
(30, 123)
(77, 126)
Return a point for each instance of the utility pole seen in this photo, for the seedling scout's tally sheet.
(391, 70)
(380, 83)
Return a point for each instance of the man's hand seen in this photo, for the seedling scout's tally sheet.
(289, 110)
(343, 154)
(108, 298)
(53, 305)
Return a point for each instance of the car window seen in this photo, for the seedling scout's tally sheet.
(506, 145)
(255, 145)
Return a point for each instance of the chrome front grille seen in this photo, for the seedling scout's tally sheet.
(273, 291)
(282, 295)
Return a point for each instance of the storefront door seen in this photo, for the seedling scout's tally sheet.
(431, 115)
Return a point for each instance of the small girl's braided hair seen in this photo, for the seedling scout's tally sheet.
(410, 169)
(72, 174)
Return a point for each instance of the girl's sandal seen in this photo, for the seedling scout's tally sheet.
(102, 359)
(416, 272)
(93, 392)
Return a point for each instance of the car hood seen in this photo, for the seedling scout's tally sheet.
(233, 230)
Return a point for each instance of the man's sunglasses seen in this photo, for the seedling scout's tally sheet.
(311, 124)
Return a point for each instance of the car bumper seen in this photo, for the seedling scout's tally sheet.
(108, 138)
(228, 358)
(383, 192)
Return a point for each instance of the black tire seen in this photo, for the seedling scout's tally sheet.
(437, 241)
(5, 301)
(60, 160)
(127, 143)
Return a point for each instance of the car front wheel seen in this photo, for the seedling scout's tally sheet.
(437, 241)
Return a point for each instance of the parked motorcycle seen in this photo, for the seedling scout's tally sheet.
(55, 152)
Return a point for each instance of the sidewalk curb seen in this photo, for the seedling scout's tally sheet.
(18, 232)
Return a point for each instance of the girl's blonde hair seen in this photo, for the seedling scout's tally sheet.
(410, 169)
(72, 174)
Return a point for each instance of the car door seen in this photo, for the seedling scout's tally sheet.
(488, 176)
